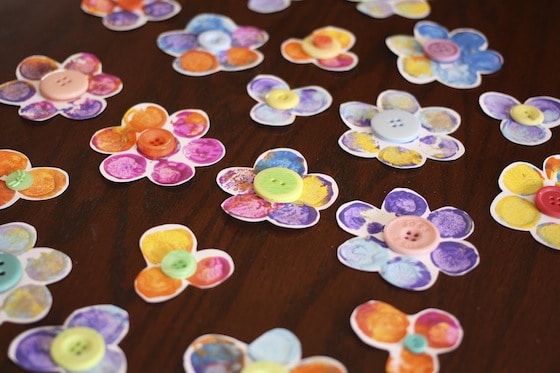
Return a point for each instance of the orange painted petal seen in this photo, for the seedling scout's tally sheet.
(130, 5)
(113, 139)
(47, 183)
(98, 7)
(411, 363)
(11, 161)
(381, 321)
(197, 61)
(153, 283)
(141, 117)
(241, 57)
(6, 195)
(293, 51)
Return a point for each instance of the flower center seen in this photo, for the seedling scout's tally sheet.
(321, 46)
(78, 348)
(411, 235)
(156, 143)
(10, 272)
(396, 126)
(528, 115)
(547, 201)
(19, 180)
(278, 184)
(282, 99)
(178, 264)
(442, 50)
(416, 343)
(64, 85)
(214, 41)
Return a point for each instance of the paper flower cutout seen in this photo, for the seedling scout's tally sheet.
(399, 132)
(525, 124)
(278, 105)
(25, 271)
(151, 143)
(88, 340)
(19, 180)
(456, 59)
(269, 6)
(277, 350)
(213, 42)
(327, 47)
(385, 8)
(124, 15)
(75, 89)
(285, 193)
(406, 242)
(173, 263)
(530, 200)
(413, 341)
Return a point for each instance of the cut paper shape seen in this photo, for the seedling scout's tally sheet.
(211, 43)
(26, 270)
(124, 15)
(430, 141)
(31, 350)
(278, 350)
(318, 191)
(456, 59)
(45, 182)
(413, 341)
(413, 9)
(274, 95)
(532, 132)
(151, 143)
(173, 263)
(407, 265)
(327, 47)
(269, 6)
(41, 95)
(517, 206)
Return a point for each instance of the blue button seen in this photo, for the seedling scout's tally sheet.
(10, 271)
(396, 126)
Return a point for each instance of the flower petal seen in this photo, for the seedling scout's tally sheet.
(376, 8)
(441, 148)
(363, 253)
(401, 157)
(213, 267)
(248, 207)
(292, 50)
(17, 238)
(361, 144)
(469, 40)
(268, 6)
(439, 119)
(161, 10)
(485, 62)
(46, 265)
(442, 330)
(16, 91)
(86, 63)
(236, 180)
(319, 191)
(264, 114)
(294, 216)
(402, 362)
(236, 59)
(208, 21)
(84, 108)
(214, 351)
(455, 258)
(190, 123)
(248, 37)
(401, 201)
(35, 67)
(408, 273)
(319, 364)
(114, 360)
(413, 9)
(278, 345)
(379, 324)
(12, 160)
(204, 152)
(551, 168)
(196, 62)
(113, 140)
(282, 157)
(105, 85)
(359, 218)
(124, 167)
(98, 7)
(48, 182)
(26, 304)
(176, 43)
(108, 320)
(452, 222)
(156, 242)
(521, 178)
(259, 87)
(31, 349)
(38, 111)
(515, 212)
(357, 115)
(430, 30)
(312, 100)
(497, 105)
(124, 20)
(153, 285)
(550, 107)
(404, 45)
(420, 69)
(399, 100)
(548, 234)
(343, 62)
(7, 196)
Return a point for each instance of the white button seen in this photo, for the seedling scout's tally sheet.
(214, 41)
(397, 126)
(64, 85)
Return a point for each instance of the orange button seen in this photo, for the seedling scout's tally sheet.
(156, 143)
(411, 235)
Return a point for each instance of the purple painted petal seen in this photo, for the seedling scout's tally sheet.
(35, 67)
(177, 43)
(123, 20)
(550, 107)
(124, 167)
(86, 63)
(190, 123)
(204, 151)
(268, 6)
(46, 265)
(248, 37)
(261, 85)
(105, 85)
(113, 361)
(363, 253)
(281, 157)
(161, 10)
(38, 111)
(264, 114)
(16, 91)
(405, 202)
(171, 173)
(397, 100)
(294, 216)
(108, 320)
(236, 180)
(312, 100)
(497, 105)
(441, 148)
(455, 258)
(452, 222)
(407, 273)
(350, 216)
(525, 135)
(84, 108)
(357, 114)
(249, 207)
(31, 350)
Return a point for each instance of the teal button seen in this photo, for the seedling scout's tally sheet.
(416, 343)
(10, 271)
(19, 180)
(178, 264)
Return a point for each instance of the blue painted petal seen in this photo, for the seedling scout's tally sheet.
(550, 107)
(176, 43)
(430, 30)
(277, 345)
(208, 21)
(31, 349)
(268, 6)
(452, 222)
(407, 273)
(282, 157)
(363, 253)
(350, 216)
(261, 85)
(458, 75)
(294, 216)
(264, 114)
(312, 100)
(497, 105)
(485, 62)
(441, 148)
(108, 320)
(215, 351)
(357, 114)
(455, 258)
(402, 201)
(84, 108)
(470, 41)
(524, 135)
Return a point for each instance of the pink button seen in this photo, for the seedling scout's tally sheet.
(548, 201)
(64, 85)
(442, 50)
(411, 235)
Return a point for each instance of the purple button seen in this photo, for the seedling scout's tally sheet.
(442, 50)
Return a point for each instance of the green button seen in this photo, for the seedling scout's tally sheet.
(416, 343)
(178, 264)
(278, 184)
(19, 180)
(282, 99)
(78, 348)
(10, 271)
(528, 115)
(264, 367)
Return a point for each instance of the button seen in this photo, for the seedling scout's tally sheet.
(411, 235)
(78, 348)
(548, 201)
(214, 41)
(19, 180)
(156, 143)
(10, 271)
(264, 367)
(178, 264)
(321, 46)
(278, 184)
(416, 343)
(442, 50)
(64, 85)
(396, 126)
(526, 114)
(282, 99)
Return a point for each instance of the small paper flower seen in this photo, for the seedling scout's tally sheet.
(212, 42)
(525, 124)
(413, 341)
(19, 180)
(75, 89)
(277, 350)
(123, 15)
(269, 6)
(530, 200)
(279, 189)
(456, 59)
(327, 47)
(88, 340)
(399, 132)
(25, 271)
(278, 105)
(385, 8)
(173, 263)
(151, 143)
(406, 242)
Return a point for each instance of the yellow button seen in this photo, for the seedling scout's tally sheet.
(321, 46)
(282, 99)
(64, 85)
(77, 349)
(264, 367)
(278, 184)
(528, 115)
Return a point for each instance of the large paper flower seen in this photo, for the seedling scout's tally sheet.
(278, 350)
(278, 105)
(87, 341)
(151, 143)
(123, 15)
(75, 89)
(25, 271)
(385, 8)
(399, 132)
(269, 6)
(212, 42)
(413, 341)
(526, 124)
(456, 59)
(278, 189)
(406, 242)
(173, 263)
(19, 180)
(327, 47)
(530, 200)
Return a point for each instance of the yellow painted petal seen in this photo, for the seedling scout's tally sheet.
(397, 156)
(27, 302)
(412, 9)
(550, 234)
(404, 45)
(157, 243)
(153, 283)
(316, 191)
(517, 212)
(345, 38)
(47, 183)
(361, 142)
(417, 66)
(11, 161)
(522, 179)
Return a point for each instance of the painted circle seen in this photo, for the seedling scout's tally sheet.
(321, 46)
(19, 180)
(397, 126)
(411, 235)
(416, 343)
(547, 201)
(156, 143)
(278, 184)
(178, 264)
(528, 115)
(64, 85)
(78, 348)
(10, 272)
(442, 50)
(264, 367)
(214, 40)
(282, 99)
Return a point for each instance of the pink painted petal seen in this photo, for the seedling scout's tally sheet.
(169, 173)
(105, 85)
(124, 167)
(236, 180)
(249, 207)
(86, 63)
(248, 37)
(343, 62)
(442, 330)
(38, 111)
(190, 123)
(205, 151)
(213, 267)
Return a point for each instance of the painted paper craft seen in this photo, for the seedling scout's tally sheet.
(269, 6)
(398, 132)
(413, 9)
(276, 351)
(278, 189)
(151, 143)
(530, 200)
(75, 89)
(456, 59)
(25, 272)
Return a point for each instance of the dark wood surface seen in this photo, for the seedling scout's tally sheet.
(508, 306)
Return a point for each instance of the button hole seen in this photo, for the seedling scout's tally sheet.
(2, 273)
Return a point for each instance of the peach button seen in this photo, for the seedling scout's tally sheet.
(64, 85)
(156, 143)
(411, 235)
